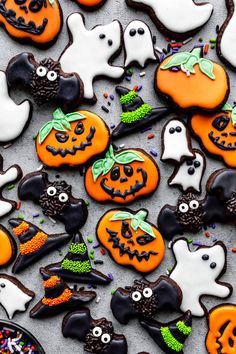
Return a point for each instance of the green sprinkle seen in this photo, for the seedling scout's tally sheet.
(138, 114)
(91, 256)
(168, 270)
(41, 221)
(87, 202)
(190, 240)
(212, 40)
(21, 217)
(128, 98)
(186, 330)
(113, 292)
(200, 39)
(170, 340)
(35, 136)
(89, 239)
(60, 253)
(130, 71)
(10, 186)
(76, 266)
(78, 248)
(213, 46)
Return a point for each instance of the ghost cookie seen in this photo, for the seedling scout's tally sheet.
(176, 142)
(187, 176)
(89, 53)
(8, 247)
(90, 5)
(55, 199)
(136, 114)
(202, 84)
(14, 296)
(98, 335)
(45, 80)
(59, 297)
(122, 177)
(138, 44)
(72, 139)
(197, 273)
(176, 19)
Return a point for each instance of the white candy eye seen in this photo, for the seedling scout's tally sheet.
(147, 292)
(97, 332)
(183, 208)
(136, 296)
(41, 71)
(194, 204)
(52, 75)
(51, 191)
(106, 338)
(63, 197)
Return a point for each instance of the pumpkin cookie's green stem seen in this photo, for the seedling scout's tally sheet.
(228, 108)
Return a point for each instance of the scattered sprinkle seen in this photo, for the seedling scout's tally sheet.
(52, 220)
(143, 73)
(128, 78)
(108, 103)
(207, 234)
(18, 205)
(21, 217)
(105, 94)
(112, 97)
(196, 243)
(206, 48)
(234, 250)
(39, 168)
(158, 49)
(97, 245)
(36, 215)
(151, 136)
(102, 251)
(169, 244)
(162, 57)
(87, 202)
(187, 40)
(105, 109)
(189, 240)
(139, 88)
(213, 46)
(41, 221)
(214, 239)
(35, 136)
(7, 146)
(200, 39)
(10, 186)
(112, 126)
(98, 299)
(110, 276)
(135, 88)
(98, 261)
(113, 292)
(89, 239)
(121, 146)
(212, 40)
(130, 71)
(91, 255)
(153, 152)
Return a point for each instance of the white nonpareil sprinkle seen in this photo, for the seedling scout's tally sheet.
(159, 50)
(143, 73)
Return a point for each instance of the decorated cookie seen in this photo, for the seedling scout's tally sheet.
(8, 247)
(188, 175)
(55, 199)
(89, 53)
(176, 142)
(90, 5)
(221, 332)
(217, 133)
(98, 335)
(145, 298)
(170, 336)
(76, 266)
(45, 80)
(197, 274)
(202, 83)
(37, 23)
(59, 297)
(34, 243)
(14, 296)
(138, 44)
(130, 239)
(122, 176)
(176, 19)
(72, 139)
(136, 114)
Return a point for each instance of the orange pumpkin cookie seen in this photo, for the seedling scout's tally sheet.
(7, 247)
(122, 177)
(90, 4)
(217, 133)
(71, 139)
(201, 82)
(130, 239)
(37, 22)
(221, 336)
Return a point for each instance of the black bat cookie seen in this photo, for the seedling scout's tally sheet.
(55, 199)
(45, 80)
(98, 335)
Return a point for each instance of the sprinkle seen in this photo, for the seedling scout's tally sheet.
(217, 29)
(168, 270)
(98, 262)
(98, 299)
(105, 109)
(135, 87)
(170, 244)
(207, 234)
(112, 126)
(91, 255)
(198, 45)
(87, 202)
(110, 276)
(190, 240)
(36, 215)
(7, 146)
(113, 292)
(151, 136)
(89, 286)
(105, 94)
(200, 39)
(187, 40)
(89, 239)
(21, 217)
(128, 78)
(97, 245)
(109, 103)
(39, 168)
(234, 250)
(35, 136)
(206, 48)
(112, 97)
(162, 57)
(158, 49)
(175, 69)
(213, 46)
(18, 205)
(52, 220)
(121, 146)
(177, 45)
(214, 239)
(130, 71)
(212, 226)
(143, 73)
(196, 243)
(212, 40)
(41, 221)
(139, 88)
(60, 252)
(10, 186)
(153, 152)
(103, 252)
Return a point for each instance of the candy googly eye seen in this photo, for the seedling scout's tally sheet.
(51, 191)
(136, 296)
(194, 204)
(63, 197)
(183, 208)
(106, 338)
(97, 332)
(41, 71)
(52, 75)
(147, 292)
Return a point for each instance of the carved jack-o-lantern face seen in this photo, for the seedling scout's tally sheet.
(71, 139)
(122, 177)
(130, 239)
(38, 21)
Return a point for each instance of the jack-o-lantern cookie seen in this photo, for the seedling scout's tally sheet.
(36, 22)
(217, 133)
(8, 247)
(122, 177)
(202, 83)
(130, 239)
(72, 139)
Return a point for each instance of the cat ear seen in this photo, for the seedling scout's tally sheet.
(71, 89)
(77, 324)
(32, 186)
(121, 306)
(74, 215)
(20, 68)
(167, 222)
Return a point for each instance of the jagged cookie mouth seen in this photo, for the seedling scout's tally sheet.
(221, 145)
(133, 189)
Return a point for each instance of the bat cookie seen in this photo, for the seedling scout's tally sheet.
(72, 139)
(76, 266)
(197, 273)
(34, 243)
(59, 297)
(122, 177)
(45, 80)
(89, 53)
(55, 199)
(98, 335)
(8, 247)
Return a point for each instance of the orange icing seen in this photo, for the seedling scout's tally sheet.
(34, 244)
(90, 3)
(50, 283)
(6, 250)
(22, 228)
(64, 297)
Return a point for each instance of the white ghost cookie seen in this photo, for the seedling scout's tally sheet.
(197, 274)
(89, 52)
(138, 44)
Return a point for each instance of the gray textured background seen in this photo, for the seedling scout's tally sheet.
(48, 331)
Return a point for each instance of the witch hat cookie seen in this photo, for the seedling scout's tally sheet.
(170, 337)
(76, 266)
(34, 243)
(59, 297)
(136, 113)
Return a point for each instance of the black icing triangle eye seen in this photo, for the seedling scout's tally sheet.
(132, 32)
(141, 31)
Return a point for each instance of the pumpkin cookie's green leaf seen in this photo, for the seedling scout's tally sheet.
(207, 67)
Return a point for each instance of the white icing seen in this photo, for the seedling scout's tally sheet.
(195, 277)
(138, 47)
(176, 145)
(88, 54)
(7, 177)
(13, 117)
(12, 298)
(179, 16)
(187, 180)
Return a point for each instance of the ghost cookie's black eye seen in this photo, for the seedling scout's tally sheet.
(205, 257)
(213, 265)
(178, 129)
(197, 164)
(97, 332)
(41, 71)
(132, 32)
(110, 42)
(136, 296)
(194, 204)
(51, 75)
(2, 285)
(147, 292)
(191, 171)
(171, 130)
(141, 31)
(51, 191)
(106, 338)
(183, 207)
(102, 36)
(63, 197)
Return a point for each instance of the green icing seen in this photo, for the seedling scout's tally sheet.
(170, 340)
(138, 114)
(76, 266)
(79, 248)
(128, 98)
(186, 330)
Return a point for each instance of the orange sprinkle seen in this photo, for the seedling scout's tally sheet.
(135, 88)
(64, 297)
(207, 234)
(206, 48)
(105, 94)
(22, 228)
(50, 283)
(234, 250)
(34, 244)
(18, 205)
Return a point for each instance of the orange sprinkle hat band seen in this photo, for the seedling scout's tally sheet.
(34, 244)
(64, 297)
(51, 282)
(22, 228)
